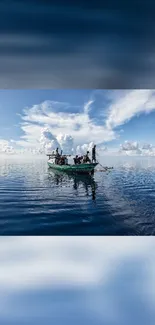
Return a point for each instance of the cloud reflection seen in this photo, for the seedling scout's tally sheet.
(77, 280)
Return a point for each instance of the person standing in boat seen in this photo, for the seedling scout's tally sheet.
(94, 154)
(57, 156)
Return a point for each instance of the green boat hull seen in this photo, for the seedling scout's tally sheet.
(80, 169)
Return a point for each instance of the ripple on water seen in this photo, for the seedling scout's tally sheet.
(34, 200)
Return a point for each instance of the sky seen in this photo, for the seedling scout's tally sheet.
(66, 280)
(115, 120)
(78, 44)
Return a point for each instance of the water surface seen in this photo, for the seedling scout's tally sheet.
(37, 201)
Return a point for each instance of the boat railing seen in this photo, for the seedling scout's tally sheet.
(53, 155)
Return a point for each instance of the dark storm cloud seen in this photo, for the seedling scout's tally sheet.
(75, 44)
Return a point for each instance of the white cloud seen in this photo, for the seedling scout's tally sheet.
(147, 146)
(79, 125)
(71, 129)
(87, 106)
(134, 148)
(48, 140)
(130, 148)
(53, 114)
(133, 103)
(5, 147)
(66, 142)
(80, 150)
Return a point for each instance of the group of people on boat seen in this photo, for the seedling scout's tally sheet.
(61, 159)
(85, 159)
(82, 159)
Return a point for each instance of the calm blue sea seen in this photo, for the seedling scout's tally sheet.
(36, 201)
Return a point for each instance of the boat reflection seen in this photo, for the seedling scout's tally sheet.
(86, 181)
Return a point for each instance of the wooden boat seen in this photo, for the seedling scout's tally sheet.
(83, 168)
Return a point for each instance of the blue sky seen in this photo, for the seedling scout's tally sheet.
(107, 117)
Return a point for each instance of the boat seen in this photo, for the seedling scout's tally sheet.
(83, 168)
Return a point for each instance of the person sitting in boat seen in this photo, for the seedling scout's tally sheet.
(66, 161)
(62, 160)
(75, 160)
(79, 160)
(86, 158)
(94, 154)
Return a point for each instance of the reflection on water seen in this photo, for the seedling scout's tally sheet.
(35, 200)
(86, 181)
